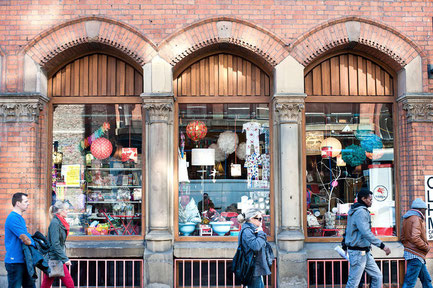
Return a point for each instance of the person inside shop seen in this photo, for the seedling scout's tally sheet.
(57, 233)
(205, 204)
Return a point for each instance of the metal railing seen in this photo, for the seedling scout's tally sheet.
(211, 273)
(334, 272)
(110, 273)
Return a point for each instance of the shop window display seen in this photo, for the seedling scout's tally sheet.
(349, 146)
(224, 167)
(97, 167)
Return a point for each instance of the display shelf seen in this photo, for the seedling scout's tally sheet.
(112, 202)
(112, 187)
(114, 169)
(114, 216)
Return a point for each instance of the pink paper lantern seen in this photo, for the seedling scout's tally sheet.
(101, 148)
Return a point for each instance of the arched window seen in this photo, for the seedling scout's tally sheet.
(223, 146)
(349, 143)
(97, 146)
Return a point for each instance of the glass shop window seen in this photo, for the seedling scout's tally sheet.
(349, 146)
(97, 165)
(224, 167)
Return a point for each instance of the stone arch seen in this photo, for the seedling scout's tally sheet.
(223, 30)
(376, 39)
(59, 44)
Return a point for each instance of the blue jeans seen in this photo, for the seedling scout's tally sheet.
(359, 263)
(416, 269)
(18, 276)
(256, 282)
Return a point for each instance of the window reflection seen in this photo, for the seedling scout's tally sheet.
(215, 186)
(349, 146)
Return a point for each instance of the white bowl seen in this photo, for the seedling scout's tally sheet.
(187, 228)
(221, 228)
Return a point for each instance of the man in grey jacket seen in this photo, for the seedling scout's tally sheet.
(358, 240)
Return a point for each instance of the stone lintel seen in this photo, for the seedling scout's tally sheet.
(21, 107)
(202, 250)
(104, 249)
(418, 106)
(316, 250)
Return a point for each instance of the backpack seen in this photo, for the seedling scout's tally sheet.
(243, 263)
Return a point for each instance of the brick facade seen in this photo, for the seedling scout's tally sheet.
(51, 34)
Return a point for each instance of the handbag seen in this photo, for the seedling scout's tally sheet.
(243, 263)
(56, 267)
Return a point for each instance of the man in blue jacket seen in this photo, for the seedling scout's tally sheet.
(358, 240)
(16, 234)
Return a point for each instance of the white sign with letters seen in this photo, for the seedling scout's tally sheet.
(428, 184)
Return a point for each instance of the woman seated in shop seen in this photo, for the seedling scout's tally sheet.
(205, 204)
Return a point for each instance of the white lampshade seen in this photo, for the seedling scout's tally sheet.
(202, 157)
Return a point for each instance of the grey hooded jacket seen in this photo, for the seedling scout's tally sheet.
(358, 230)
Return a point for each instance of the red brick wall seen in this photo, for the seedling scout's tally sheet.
(23, 159)
(23, 21)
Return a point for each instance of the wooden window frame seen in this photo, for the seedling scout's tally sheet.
(355, 100)
(218, 100)
(89, 100)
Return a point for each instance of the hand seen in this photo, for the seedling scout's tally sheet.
(26, 240)
(387, 250)
(258, 229)
(69, 263)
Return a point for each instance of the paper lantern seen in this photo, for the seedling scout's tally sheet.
(371, 142)
(333, 147)
(196, 130)
(219, 154)
(228, 141)
(241, 151)
(101, 148)
(353, 155)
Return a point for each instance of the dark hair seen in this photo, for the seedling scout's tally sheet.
(364, 193)
(17, 197)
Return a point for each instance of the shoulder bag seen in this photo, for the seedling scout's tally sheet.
(243, 263)
(56, 267)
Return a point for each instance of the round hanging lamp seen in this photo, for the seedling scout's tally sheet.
(196, 130)
(101, 148)
(330, 147)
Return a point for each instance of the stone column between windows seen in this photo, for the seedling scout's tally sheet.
(288, 105)
(287, 124)
(159, 238)
(158, 104)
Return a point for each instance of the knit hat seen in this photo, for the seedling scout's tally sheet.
(418, 204)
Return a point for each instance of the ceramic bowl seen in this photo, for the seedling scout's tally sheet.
(221, 228)
(186, 228)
